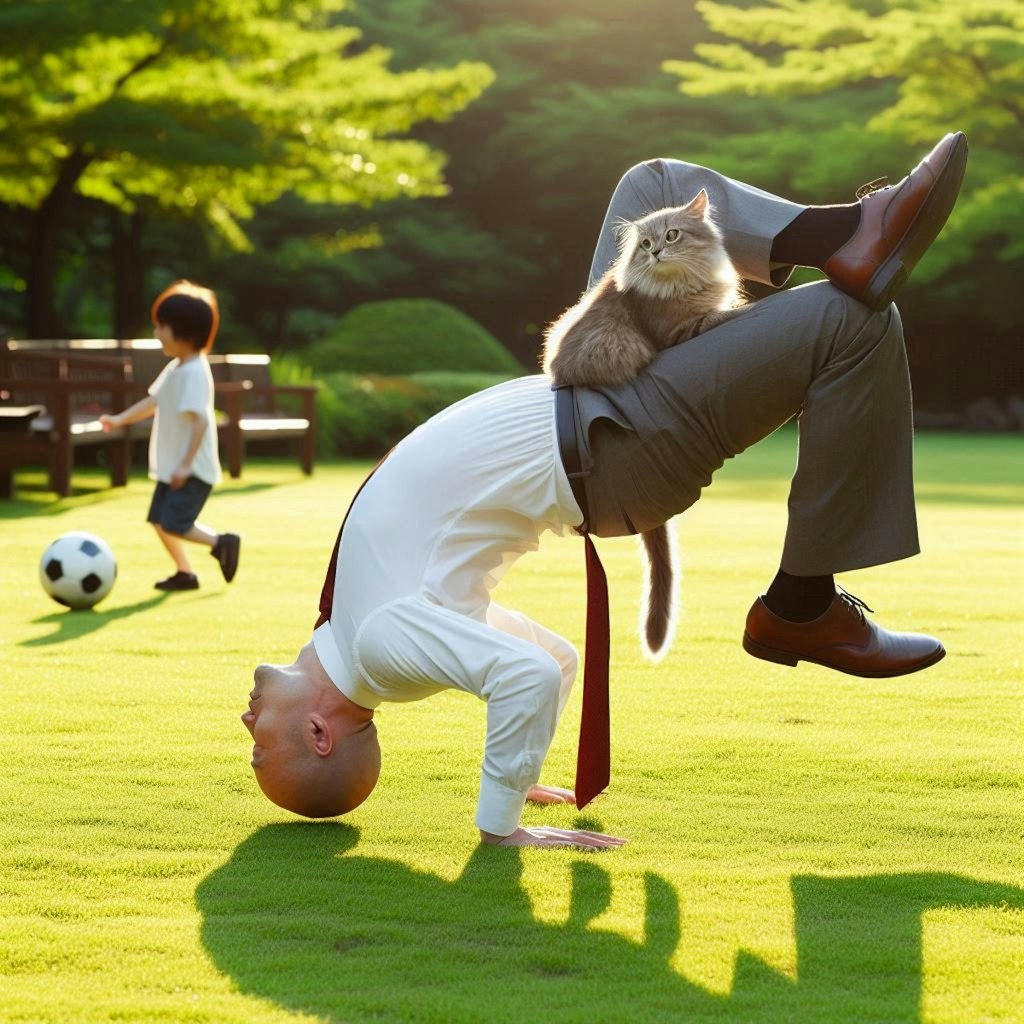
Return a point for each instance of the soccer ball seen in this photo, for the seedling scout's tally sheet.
(78, 569)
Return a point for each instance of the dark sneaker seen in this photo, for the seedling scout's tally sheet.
(179, 581)
(226, 553)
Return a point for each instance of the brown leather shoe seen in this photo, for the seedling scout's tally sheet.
(842, 639)
(898, 224)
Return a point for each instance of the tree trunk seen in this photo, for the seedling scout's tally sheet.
(130, 313)
(42, 318)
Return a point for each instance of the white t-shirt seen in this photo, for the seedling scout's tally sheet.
(179, 389)
(430, 535)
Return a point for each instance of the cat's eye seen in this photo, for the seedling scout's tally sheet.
(672, 234)
(646, 244)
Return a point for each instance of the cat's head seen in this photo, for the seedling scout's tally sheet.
(676, 245)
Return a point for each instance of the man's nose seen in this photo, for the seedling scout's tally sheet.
(260, 672)
(249, 721)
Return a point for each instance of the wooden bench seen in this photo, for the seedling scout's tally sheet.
(108, 374)
(256, 412)
(70, 392)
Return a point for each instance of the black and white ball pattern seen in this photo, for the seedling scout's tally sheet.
(78, 569)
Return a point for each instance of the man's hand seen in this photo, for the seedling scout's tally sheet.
(180, 476)
(543, 836)
(109, 423)
(550, 795)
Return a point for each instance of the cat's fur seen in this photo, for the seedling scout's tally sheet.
(671, 281)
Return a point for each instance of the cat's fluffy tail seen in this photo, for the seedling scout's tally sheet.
(660, 589)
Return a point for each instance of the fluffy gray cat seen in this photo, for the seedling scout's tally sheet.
(671, 281)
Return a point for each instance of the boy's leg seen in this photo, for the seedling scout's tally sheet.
(174, 514)
(172, 543)
(223, 546)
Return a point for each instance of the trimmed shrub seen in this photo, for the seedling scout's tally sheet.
(364, 415)
(403, 336)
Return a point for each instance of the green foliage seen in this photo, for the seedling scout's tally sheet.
(364, 415)
(211, 106)
(578, 97)
(402, 336)
(927, 66)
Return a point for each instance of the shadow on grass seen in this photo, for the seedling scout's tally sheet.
(295, 917)
(71, 624)
(36, 499)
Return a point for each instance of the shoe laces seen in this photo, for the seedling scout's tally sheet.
(878, 185)
(854, 603)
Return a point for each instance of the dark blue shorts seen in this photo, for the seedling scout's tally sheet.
(177, 511)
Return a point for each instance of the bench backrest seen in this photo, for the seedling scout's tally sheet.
(146, 360)
(39, 362)
(234, 368)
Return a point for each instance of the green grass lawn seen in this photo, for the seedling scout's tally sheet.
(804, 846)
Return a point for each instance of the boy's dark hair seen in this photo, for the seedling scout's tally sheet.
(190, 310)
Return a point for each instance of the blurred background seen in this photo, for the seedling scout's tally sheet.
(384, 188)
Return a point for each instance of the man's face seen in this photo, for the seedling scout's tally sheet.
(274, 702)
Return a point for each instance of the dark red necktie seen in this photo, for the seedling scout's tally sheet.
(593, 759)
(327, 594)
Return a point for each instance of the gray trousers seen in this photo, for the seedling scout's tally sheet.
(648, 447)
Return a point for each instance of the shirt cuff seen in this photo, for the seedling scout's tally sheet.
(499, 808)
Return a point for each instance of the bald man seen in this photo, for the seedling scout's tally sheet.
(406, 609)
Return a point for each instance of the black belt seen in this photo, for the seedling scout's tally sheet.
(569, 450)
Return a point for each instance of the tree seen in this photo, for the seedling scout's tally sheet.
(914, 68)
(578, 97)
(203, 109)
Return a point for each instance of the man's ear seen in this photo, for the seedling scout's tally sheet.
(318, 735)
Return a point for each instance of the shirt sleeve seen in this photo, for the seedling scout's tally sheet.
(413, 647)
(195, 392)
(517, 624)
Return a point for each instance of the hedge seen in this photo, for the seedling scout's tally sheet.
(364, 415)
(404, 336)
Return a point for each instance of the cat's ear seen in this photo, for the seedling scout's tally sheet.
(698, 205)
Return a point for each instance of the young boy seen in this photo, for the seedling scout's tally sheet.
(183, 443)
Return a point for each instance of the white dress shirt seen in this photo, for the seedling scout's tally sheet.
(430, 535)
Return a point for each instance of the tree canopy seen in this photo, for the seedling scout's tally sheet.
(912, 69)
(207, 109)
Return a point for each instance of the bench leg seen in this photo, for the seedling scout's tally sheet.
(119, 454)
(308, 451)
(6, 483)
(60, 467)
(236, 451)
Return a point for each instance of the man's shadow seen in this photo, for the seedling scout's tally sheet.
(297, 918)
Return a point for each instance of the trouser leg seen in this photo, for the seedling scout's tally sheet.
(749, 217)
(810, 352)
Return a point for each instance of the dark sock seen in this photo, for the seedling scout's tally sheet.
(814, 235)
(800, 598)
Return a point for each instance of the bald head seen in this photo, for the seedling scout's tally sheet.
(316, 752)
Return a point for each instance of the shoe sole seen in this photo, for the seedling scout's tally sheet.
(892, 275)
(790, 659)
